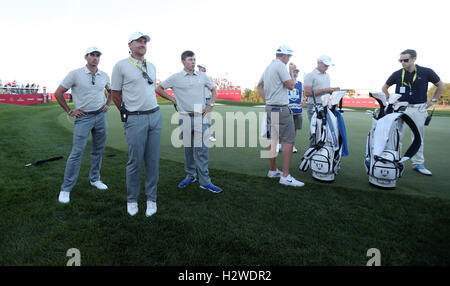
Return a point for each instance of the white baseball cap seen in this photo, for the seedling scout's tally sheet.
(93, 49)
(285, 50)
(202, 66)
(137, 35)
(325, 59)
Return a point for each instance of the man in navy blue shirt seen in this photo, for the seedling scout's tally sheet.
(412, 83)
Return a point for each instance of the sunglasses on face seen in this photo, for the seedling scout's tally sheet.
(94, 54)
(403, 60)
(149, 80)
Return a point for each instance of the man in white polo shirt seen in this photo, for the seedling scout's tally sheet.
(273, 88)
(133, 91)
(189, 89)
(88, 84)
(318, 81)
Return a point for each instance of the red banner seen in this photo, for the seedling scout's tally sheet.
(360, 102)
(21, 99)
(234, 95)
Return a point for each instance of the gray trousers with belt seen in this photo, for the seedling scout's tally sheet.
(97, 125)
(143, 133)
(195, 132)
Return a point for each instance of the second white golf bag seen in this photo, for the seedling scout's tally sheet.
(382, 158)
(329, 140)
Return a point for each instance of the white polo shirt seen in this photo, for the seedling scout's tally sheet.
(316, 80)
(86, 95)
(273, 79)
(137, 93)
(189, 90)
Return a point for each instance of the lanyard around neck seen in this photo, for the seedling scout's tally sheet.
(414, 78)
(138, 66)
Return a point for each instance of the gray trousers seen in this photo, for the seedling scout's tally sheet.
(195, 132)
(97, 125)
(143, 133)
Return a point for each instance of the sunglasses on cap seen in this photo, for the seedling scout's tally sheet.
(149, 80)
(403, 60)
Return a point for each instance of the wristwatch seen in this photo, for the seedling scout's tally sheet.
(211, 104)
(433, 100)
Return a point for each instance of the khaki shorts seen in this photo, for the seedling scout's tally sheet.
(298, 121)
(285, 130)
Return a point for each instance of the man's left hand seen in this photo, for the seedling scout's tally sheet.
(105, 108)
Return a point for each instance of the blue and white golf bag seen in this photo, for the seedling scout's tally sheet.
(329, 140)
(382, 158)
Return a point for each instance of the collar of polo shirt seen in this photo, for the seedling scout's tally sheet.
(86, 70)
(186, 73)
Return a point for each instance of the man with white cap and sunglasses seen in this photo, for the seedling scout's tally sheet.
(133, 91)
(88, 84)
(273, 88)
(318, 81)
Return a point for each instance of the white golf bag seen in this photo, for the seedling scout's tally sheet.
(329, 140)
(382, 158)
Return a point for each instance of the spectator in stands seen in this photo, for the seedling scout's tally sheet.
(91, 106)
(202, 68)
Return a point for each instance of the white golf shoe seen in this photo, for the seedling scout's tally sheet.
(290, 181)
(99, 185)
(64, 197)
(274, 174)
(132, 208)
(421, 169)
(151, 208)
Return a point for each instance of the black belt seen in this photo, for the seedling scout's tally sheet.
(94, 112)
(143, 112)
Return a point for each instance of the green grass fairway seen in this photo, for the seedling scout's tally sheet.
(254, 222)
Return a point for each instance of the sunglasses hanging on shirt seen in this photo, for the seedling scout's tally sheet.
(93, 79)
(147, 77)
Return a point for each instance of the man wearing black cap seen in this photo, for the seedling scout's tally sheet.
(88, 84)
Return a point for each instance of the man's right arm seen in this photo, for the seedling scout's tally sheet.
(117, 98)
(59, 95)
(260, 89)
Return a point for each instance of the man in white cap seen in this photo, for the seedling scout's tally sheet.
(318, 81)
(88, 84)
(273, 88)
(202, 68)
(133, 91)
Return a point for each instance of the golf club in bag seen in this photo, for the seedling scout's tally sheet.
(382, 158)
(328, 137)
